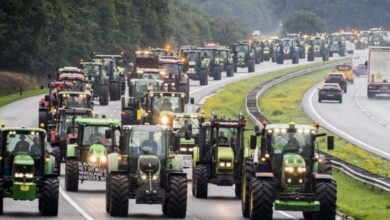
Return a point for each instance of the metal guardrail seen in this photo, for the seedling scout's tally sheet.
(252, 108)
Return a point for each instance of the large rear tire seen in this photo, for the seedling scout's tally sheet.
(201, 181)
(58, 157)
(114, 91)
(48, 202)
(251, 66)
(217, 73)
(108, 194)
(119, 195)
(103, 96)
(261, 199)
(229, 71)
(176, 203)
(203, 78)
(326, 194)
(71, 175)
(248, 174)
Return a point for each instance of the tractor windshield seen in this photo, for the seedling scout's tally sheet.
(91, 70)
(167, 103)
(181, 124)
(225, 136)
(317, 42)
(74, 101)
(207, 53)
(192, 56)
(287, 43)
(96, 135)
(173, 68)
(286, 142)
(242, 48)
(67, 122)
(142, 88)
(143, 142)
(223, 54)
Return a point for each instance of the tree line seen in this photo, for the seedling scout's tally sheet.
(40, 36)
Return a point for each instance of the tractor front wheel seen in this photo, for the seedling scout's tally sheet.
(217, 73)
(57, 155)
(103, 96)
(248, 174)
(201, 181)
(48, 203)
(176, 203)
(326, 194)
(229, 71)
(119, 195)
(71, 175)
(261, 199)
(251, 66)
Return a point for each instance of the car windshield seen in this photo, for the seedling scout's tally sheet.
(284, 142)
(171, 68)
(74, 101)
(167, 103)
(91, 70)
(331, 87)
(147, 142)
(96, 135)
(242, 48)
(181, 123)
(30, 143)
(335, 76)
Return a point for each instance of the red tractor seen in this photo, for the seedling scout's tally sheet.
(175, 80)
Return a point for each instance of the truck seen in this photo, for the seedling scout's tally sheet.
(378, 69)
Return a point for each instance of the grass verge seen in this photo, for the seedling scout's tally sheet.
(4, 100)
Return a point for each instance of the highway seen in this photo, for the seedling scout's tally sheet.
(362, 121)
(89, 202)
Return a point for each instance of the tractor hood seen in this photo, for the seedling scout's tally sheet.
(97, 154)
(23, 159)
(149, 167)
(184, 141)
(294, 171)
(192, 63)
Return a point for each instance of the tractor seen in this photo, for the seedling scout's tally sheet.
(318, 47)
(218, 157)
(243, 56)
(143, 60)
(287, 49)
(267, 50)
(96, 74)
(27, 170)
(300, 41)
(132, 105)
(73, 100)
(147, 170)
(226, 60)
(113, 65)
(287, 172)
(192, 66)
(158, 105)
(86, 157)
(337, 45)
(175, 80)
(210, 63)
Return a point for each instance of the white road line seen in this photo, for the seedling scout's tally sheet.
(331, 127)
(75, 205)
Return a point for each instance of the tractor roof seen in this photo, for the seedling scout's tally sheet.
(22, 129)
(91, 63)
(149, 70)
(108, 56)
(71, 76)
(75, 110)
(70, 69)
(146, 127)
(170, 61)
(143, 80)
(97, 121)
(186, 115)
(74, 93)
(168, 94)
(287, 126)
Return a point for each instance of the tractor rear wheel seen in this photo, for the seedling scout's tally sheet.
(201, 181)
(261, 199)
(108, 194)
(326, 194)
(48, 203)
(229, 71)
(103, 96)
(119, 195)
(203, 78)
(217, 73)
(71, 175)
(248, 174)
(57, 155)
(176, 203)
(114, 91)
(251, 66)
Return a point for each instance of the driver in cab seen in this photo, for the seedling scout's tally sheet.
(292, 144)
(166, 105)
(150, 143)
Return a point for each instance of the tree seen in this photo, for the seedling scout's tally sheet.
(303, 21)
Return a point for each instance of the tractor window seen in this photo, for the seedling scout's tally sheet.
(207, 54)
(192, 56)
(147, 142)
(180, 124)
(291, 142)
(173, 68)
(225, 136)
(142, 88)
(242, 48)
(286, 43)
(91, 70)
(30, 143)
(317, 42)
(74, 101)
(223, 54)
(167, 103)
(95, 135)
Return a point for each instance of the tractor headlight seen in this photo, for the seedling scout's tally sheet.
(228, 164)
(301, 169)
(42, 125)
(29, 175)
(289, 169)
(92, 159)
(155, 177)
(144, 177)
(164, 120)
(18, 175)
(103, 159)
(183, 149)
(222, 164)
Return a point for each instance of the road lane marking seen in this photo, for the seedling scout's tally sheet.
(75, 205)
(331, 127)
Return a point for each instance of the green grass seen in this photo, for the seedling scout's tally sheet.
(282, 104)
(359, 201)
(4, 100)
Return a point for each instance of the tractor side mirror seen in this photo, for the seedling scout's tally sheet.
(330, 142)
(188, 133)
(47, 98)
(192, 100)
(107, 134)
(253, 142)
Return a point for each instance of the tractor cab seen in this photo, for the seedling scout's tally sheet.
(217, 160)
(243, 56)
(175, 80)
(69, 99)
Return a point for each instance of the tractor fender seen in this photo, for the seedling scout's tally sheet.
(264, 175)
(113, 162)
(318, 176)
(49, 165)
(71, 150)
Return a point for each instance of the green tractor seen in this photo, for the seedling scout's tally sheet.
(132, 105)
(217, 160)
(96, 138)
(192, 66)
(146, 170)
(243, 56)
(97, 76)
(27, 170)
(225, 60)
(288, 173)
(318, 47)
(210, 64)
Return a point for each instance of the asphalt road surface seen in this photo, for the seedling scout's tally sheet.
(362, 121)
(89, 202)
